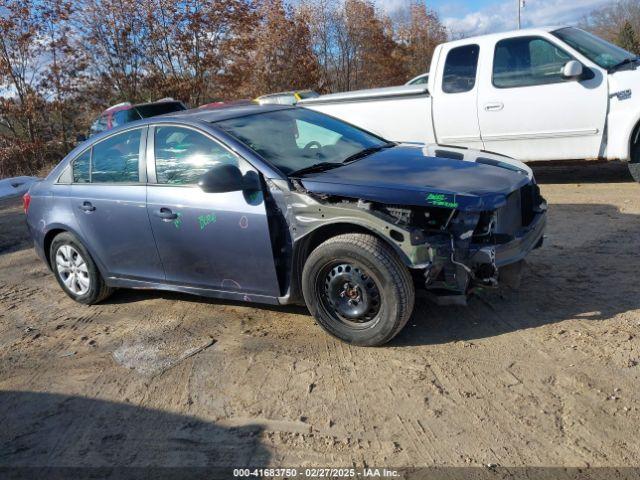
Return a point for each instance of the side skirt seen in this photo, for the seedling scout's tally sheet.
(203, 292)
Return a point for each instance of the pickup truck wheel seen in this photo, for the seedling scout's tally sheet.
(358, 289)
(634, 168)
(634, 162)
(76, 271)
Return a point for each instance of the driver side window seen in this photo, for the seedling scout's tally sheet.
(183, 155)
(527, 61)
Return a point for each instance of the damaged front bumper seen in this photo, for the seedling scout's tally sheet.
(524, 241)
(463, 266)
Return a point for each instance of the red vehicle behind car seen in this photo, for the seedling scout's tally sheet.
(126, 112)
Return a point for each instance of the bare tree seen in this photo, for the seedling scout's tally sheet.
(21, 64)
(354, 44)
(282, 57)
(609, 21)
(418, 33)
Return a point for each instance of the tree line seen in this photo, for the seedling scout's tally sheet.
(62, 61)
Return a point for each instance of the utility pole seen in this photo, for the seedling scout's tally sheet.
(520, 5)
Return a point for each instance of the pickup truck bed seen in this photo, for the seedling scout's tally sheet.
(400, 114)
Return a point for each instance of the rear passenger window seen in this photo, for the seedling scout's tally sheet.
(184, 155)
(115, 160)
(81, 168)
(460, 69)
(527, 61)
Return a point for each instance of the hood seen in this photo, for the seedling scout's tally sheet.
(404, 175)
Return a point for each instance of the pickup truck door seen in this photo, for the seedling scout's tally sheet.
(530, 111)
(455, 92)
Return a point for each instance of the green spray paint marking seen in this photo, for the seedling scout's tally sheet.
(206, 220)
(442, 200)
(178, 221)
(255, 196)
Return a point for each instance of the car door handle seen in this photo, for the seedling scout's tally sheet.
(166, 214)
(87, 207)
(494, 106)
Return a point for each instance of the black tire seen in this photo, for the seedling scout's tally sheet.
(97, 289)
(388, 303)
(634, 162)
(634, 169)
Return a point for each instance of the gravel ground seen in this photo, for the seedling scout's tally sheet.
(547, 375)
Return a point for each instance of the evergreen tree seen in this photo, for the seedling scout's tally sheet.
(627, 38)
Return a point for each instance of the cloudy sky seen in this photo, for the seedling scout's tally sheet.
(474, 17)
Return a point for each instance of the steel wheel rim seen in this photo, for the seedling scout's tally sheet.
(350, 294)
(72, 270)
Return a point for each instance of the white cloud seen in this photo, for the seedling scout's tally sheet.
(391, 7)
(503, 15)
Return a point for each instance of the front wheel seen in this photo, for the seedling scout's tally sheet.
(358, 289)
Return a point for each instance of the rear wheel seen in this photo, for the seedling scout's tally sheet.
(75, 270)
(358, 289)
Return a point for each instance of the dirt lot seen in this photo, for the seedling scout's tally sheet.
(548, 375)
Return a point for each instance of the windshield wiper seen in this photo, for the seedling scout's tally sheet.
(624, 62)
(367, 151)
(318, 167)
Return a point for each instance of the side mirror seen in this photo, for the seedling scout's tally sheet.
(572, 69)
(228, 178)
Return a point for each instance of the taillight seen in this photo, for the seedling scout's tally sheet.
(26, 201)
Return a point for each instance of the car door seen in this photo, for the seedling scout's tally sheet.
(216, 241)
(108, 199)
(530, 111)
(455, 113)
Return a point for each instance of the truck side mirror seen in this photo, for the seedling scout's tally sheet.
(572, 69)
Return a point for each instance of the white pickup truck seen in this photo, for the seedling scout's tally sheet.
(536, 94)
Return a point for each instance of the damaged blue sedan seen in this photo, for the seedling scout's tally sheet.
(282, 205)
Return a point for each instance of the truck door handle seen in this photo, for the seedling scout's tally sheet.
(87, 207)
(493, 106)
(166, 214)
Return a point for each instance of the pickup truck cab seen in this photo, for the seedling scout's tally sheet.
(535, 94)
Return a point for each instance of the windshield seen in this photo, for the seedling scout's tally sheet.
(599, 51)
(297, 138)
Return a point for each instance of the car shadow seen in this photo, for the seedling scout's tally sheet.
(53, 430)
(581, 171)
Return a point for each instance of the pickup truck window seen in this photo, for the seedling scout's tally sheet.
(527, 61)
(604, 54)
(460, 69)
